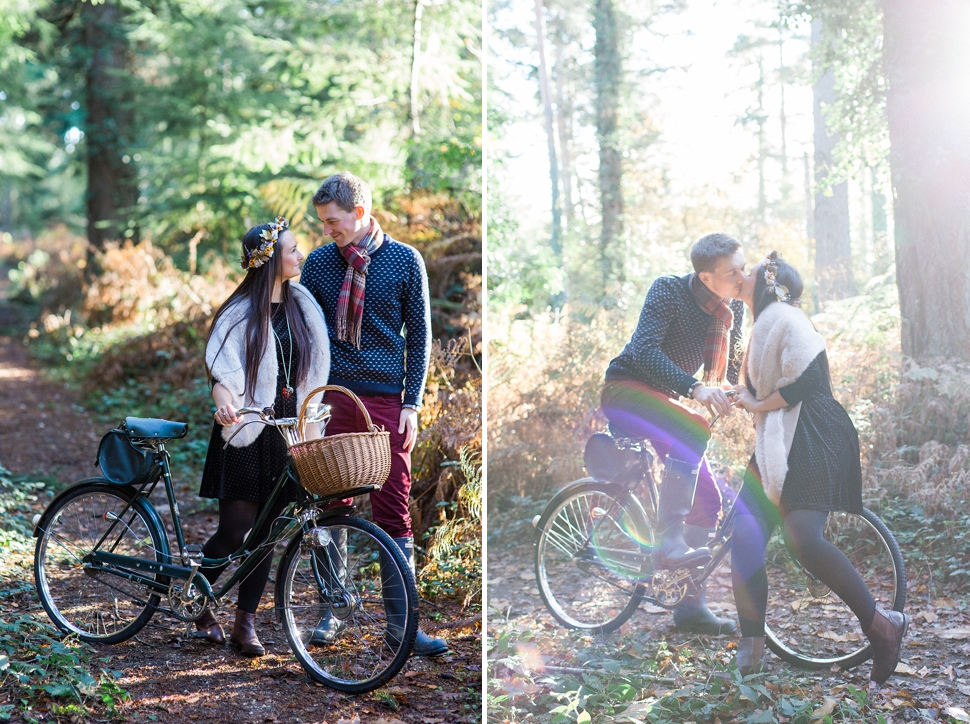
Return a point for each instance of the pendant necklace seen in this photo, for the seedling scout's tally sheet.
(286, 391)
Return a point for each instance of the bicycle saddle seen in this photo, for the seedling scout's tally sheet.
(618, 432)
(149, 427)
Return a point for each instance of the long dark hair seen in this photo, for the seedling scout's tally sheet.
(256, 288)
(763, 297)
(786, 275)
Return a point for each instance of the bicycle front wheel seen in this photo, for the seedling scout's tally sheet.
(348, 604)
(807, 624)
(97, 604)
(593, 546)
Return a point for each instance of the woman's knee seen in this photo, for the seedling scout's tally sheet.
(748, 544)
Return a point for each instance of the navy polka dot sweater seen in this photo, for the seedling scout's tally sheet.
(667, 348)
(395, 334)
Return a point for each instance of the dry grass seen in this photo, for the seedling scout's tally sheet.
(913, 420)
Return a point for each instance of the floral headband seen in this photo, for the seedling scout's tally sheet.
(779, 290)
(262, 254)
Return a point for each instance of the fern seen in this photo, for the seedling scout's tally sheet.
(288, 197)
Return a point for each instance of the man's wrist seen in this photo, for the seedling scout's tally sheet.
(409, 406)
(692, 388)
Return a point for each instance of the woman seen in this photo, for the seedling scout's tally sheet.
(267, 347)
(806, 464)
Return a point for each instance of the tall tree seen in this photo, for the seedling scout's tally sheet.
(112, 191)
(545, 95)
(926, 58)
(608, 71)
(833, 255)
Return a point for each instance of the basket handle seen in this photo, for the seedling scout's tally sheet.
(301, 423)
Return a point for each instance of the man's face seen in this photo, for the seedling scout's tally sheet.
(728, 276)
(344, 227)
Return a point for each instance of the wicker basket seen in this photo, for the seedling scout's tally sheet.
(337, 463)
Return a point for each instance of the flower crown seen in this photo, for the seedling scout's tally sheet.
(262, 254)
(779, 290)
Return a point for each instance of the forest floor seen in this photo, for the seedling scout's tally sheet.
(46, 434)
(649, 672)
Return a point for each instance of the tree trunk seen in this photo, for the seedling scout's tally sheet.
(112, 189)
(545, 95)
(6, 207)
(809, 219)
(607, 73)
(414, 111)
(929, 133)
(563, 117)
(762, 120)
(833, 255)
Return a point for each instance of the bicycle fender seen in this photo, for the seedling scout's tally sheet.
(614, 489)
(145, 504)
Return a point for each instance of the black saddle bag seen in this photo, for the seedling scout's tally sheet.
(606, 463)
(121, 462)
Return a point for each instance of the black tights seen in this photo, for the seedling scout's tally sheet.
(821, 558)
(236, 518)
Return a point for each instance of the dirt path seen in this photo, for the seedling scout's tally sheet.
(44, 432)
(936, 655)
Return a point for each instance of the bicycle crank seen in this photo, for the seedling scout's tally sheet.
(670, 587)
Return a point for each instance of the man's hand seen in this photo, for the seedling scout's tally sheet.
(409, 426)
(714, 399)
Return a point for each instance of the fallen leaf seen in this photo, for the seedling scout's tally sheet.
(954, 633)
(903, 668)
(847, 636)
(955, 712)
(928, 616)
(828, 705)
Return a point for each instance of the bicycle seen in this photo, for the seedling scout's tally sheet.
(103, 565)
(594, 566)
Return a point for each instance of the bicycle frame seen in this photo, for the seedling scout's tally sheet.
(143, 571)
(720, 544)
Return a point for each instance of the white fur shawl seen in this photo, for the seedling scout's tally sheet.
(228, 365)
(783, 345)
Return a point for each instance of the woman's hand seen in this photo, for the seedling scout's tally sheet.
(745, 399)
(226, 415)
(225, 412)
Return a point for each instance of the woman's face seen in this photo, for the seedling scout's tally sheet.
(747, 285)
(290, 256)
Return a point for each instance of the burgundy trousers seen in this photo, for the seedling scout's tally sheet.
(673, 429)
(389, 505)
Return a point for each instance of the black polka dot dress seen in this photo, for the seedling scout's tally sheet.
(249, 473)
(824, 471)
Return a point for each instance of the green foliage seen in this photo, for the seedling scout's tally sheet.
(455, 552)
(228, 97)
(553, 677)
(853, 47)
(39, 667)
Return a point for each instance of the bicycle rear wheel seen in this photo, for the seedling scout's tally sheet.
(90, 601)
(593, 545)
(808, 625)
(353, 580)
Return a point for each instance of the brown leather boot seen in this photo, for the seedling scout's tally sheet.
(243, 635)
(209, 625)
(750, 656)
(886, 635)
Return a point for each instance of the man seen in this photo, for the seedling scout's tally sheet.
(374, 294)
(685, 322)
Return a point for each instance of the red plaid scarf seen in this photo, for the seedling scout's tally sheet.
(350, 302)
(718, 333)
